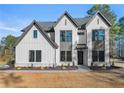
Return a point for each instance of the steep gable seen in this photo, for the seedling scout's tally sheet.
(34, 23)
(69, 17)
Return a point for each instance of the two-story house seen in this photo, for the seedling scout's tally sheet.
(67, 41)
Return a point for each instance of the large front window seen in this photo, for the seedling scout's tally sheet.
(66, 55)
(34, 55)
(98, 45)
(66, 36)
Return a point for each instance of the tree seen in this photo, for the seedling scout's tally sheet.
(121, 33)
(8, 42)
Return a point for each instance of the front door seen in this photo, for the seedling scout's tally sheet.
(80, 57)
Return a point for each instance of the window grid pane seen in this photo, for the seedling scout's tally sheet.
(35, 34)
(69, 36)
(31, 56)
(66, 36)
(38, 55)
(69, 55)
(62, 55)
(62, 36)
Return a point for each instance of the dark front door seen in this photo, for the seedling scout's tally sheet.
(80, 57)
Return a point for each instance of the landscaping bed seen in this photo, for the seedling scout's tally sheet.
(42, 68)
(104, 68)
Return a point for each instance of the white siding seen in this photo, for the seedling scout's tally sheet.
(30, 43)
(81, 38)
(61, 26)
(93, 25)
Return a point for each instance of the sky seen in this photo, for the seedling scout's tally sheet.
(15, 17)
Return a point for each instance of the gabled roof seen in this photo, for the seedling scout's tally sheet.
(69, 17)
(78, 22)
(42, 32)
(102, 16)
(82, 21)
(106, 20)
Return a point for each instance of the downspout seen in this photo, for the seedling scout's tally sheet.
(55, 58)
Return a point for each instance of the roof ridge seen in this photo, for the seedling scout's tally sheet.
(46, 21)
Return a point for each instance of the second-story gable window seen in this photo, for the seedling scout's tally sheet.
(66, 36)
(35, 34)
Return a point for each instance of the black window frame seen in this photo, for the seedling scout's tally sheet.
(35, 33)
(96, 35)
(31, 56)
(97, 57)
(62, 56)
(62, 36)
(69, 57)
(38, 56)
(65, 37)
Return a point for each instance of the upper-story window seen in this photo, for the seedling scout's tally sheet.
(98, 35)
(66, 36)
(98, 47)
(35, 33)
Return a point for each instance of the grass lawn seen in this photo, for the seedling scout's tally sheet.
(111, 78)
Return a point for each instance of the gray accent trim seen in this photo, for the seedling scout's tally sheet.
(42, 32)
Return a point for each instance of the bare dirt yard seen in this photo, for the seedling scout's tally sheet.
(67, 79)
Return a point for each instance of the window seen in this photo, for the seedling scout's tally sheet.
(98, 35)
(66, 55)
(34, 55)
(38, 55)
(101, 56)
(62, 53)
(98, 56)
(98, 45)
(31, 56)
(62, 36)
(94, 56)
(69, 56)
(35, 34)
(66, 36)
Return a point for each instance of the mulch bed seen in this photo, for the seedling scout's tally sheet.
(104, 68)
(45, 68)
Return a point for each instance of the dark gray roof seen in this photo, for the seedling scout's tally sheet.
(42, 32)
(78, 22)
(82, 21)
(47, 26)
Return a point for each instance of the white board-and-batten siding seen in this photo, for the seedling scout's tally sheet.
(92, 25)
(69, 26)
(30, 43)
